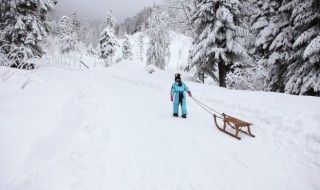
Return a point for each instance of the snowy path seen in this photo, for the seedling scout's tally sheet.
(116, 131)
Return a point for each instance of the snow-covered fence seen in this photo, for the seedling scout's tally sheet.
(71, 60)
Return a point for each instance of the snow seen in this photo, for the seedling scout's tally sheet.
(312, 48)
(112, 128)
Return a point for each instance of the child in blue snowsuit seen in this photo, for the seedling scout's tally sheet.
(178, 96)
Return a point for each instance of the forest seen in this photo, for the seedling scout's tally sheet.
(258, 45)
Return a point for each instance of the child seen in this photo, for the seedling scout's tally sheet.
(177, 91)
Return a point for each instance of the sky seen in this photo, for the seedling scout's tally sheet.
(97, 9)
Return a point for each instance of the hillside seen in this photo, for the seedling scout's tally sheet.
(112, 128)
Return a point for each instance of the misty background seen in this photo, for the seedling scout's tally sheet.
(96, 10)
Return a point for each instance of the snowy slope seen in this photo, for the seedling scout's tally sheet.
(112, 128)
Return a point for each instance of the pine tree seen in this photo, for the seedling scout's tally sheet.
(108, 40)
(108, 43)
(75, 23)
(286, 47)
(63, 26)
(219, 37)
(68, 37)
(266, 23)
(110, 21)
(158, 53)
(303, 71)
(126, 48)
(272, 46)
(23, 27)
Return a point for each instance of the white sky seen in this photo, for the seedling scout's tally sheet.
(97, 9)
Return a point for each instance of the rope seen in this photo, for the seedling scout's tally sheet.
(205, 107)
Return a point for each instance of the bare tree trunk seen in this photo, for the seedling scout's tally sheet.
(222, 74)
(202, 76)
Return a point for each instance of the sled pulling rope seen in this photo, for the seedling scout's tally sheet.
(233, 122)
(205, 107)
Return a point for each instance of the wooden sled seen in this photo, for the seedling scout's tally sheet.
(235, 123)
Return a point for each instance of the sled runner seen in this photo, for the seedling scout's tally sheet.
(234, 123)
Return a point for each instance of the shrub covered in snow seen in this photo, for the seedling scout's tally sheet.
(252, 75)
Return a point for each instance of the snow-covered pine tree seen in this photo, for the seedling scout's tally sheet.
(75, 23)
(266, 23)
(158, 53)
(273, 40)
(63, 26)
(303, 72)
(127, 48)
(286, 33)
(108, 40)
(108, 43)
(110, 21)
(23, 26)
(220, 37)
(68, 37)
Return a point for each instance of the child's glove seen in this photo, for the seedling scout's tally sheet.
(171, 98)
(190, 94)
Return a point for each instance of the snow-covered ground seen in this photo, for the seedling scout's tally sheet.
(112, 128)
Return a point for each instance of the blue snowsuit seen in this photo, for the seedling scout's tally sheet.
(179, 97)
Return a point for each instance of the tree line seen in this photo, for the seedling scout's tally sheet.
(266, 45)
(271, 45)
